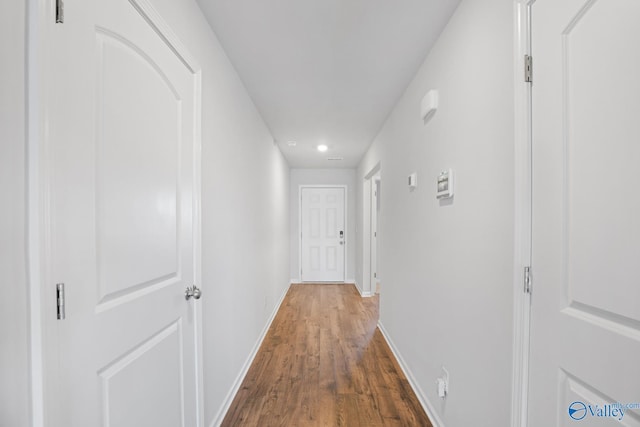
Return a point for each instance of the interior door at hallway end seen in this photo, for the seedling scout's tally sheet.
(122, 191)
(585, 324)
(323, 235)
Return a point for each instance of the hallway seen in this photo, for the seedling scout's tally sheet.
(477, 159)
(324, 362)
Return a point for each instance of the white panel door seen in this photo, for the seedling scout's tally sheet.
(323, 237)
(122, 193)
(585, 333)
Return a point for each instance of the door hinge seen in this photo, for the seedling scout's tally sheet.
(60, 301)
(528, 68)
(375, 234)
(375, 275)
(59, 11)
(527, 280)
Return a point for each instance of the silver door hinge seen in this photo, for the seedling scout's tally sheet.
(60, 301)
(59, 11)
(375, 275)
(528, 68)
(527, 280)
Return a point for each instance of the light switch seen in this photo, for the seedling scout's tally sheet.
(413, 180)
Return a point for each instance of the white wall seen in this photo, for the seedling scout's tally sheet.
(322, 177)
(446, 269)
(14, 348)
(245, 210)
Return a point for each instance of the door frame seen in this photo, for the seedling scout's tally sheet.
(346, 231)
(367, 185)
(522, 214)
(373, 234)
(40, 24)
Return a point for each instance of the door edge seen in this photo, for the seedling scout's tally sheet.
(522, 214)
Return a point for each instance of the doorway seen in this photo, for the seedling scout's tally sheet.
(322, 233)
(375, 208)
(370, 239)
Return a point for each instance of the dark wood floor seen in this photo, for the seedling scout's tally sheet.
(325, 363)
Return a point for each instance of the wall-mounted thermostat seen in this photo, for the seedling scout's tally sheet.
(413, 180)
(445, 184)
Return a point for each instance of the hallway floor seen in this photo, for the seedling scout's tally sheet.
(325, 363)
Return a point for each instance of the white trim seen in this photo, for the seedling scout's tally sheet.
(422, 397)
(228, 400)
(366, 228)
(197, 241)
(153, 18)
(39, 13)
(345, 222)
(373, 233)
(522, 215)
(362, 293)
(366, 235)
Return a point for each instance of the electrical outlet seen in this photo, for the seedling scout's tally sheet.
(442, 388)
(443, 384)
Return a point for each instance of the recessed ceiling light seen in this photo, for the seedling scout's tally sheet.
(322, 148)
(292, 143)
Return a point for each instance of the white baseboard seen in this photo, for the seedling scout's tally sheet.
(362, 294)
(426, 404)
(348, 282)
(358, 288)
(217, 420)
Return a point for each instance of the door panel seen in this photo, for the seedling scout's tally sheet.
(585, 335)
(125, 398)
(137, 149)
(122, 150)
(322, 246)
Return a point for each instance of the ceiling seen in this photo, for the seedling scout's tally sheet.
(326, 71)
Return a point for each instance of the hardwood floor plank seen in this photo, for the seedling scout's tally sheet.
(325, 363)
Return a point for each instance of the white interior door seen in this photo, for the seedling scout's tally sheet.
(323, 236)
(585, 334)
(122, 220)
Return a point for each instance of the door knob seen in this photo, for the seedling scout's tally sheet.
(192, 291)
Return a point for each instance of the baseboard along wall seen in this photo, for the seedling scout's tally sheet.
(217, 420)
(422, 397)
